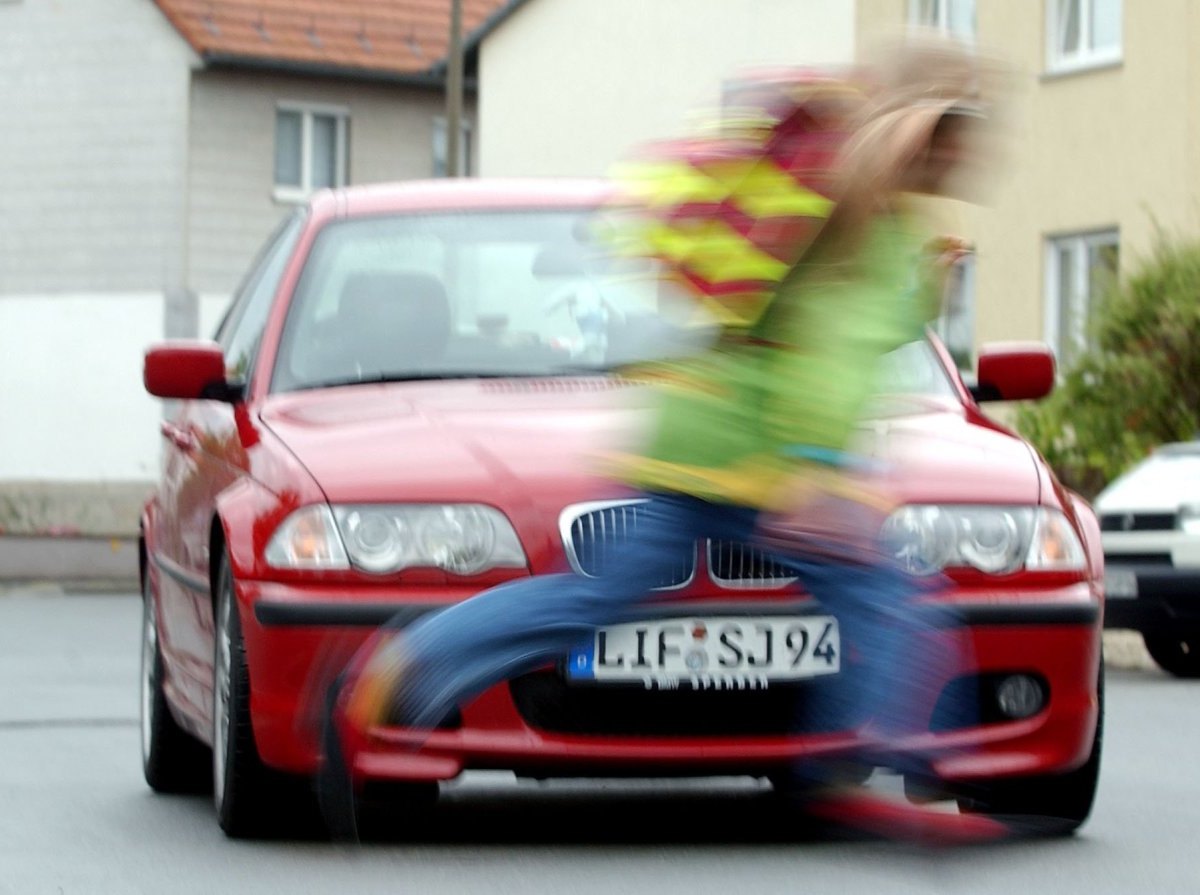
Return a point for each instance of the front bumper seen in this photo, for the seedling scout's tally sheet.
(299, 639)
(1167, 598)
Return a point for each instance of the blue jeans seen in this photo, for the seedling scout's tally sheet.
(458, 652)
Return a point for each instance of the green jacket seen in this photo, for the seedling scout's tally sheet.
(733, 423)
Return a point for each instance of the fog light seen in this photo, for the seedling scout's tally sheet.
(1019, 696)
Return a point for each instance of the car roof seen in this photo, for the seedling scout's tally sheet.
(452, 194)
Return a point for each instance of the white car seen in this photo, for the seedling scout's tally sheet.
(1150, 528)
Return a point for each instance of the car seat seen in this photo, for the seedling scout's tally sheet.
(392, 322)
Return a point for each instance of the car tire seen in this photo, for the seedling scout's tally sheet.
(1048, 804)
(252, 800)
(396, 811)
(173, 761)
(1174, 653)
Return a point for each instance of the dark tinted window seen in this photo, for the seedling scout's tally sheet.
(241, 329)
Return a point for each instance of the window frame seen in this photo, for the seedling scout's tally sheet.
(942, 25)
(290, 193)
(257, 291)
(1079, 242)
(965, 270)
(1058, 63)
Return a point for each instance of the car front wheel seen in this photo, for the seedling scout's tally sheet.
(1177, 654)
(172, 760)
(251, 799)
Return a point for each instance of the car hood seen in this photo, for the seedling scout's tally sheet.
(934, 452)
(493, 441)
(513, 441)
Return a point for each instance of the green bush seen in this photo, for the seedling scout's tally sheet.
(1139, 386)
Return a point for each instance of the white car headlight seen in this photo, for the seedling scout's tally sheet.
(375, 538)
(997, 540)
(381, 538)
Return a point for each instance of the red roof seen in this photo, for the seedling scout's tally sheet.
(400, 37)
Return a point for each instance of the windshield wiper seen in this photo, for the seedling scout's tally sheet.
(578, 370)
(380, 378)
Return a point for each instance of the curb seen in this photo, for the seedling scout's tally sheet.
(1125, 649)
(69, 562)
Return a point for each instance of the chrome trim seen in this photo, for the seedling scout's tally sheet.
(180, 575)
(573, 513)
(763, 558)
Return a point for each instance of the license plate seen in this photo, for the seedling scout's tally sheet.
(1120, 584)
(710, 653)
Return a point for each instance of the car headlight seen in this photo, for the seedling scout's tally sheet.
(459, 538)
(1189, 518)
(307, 539)
(997, 540)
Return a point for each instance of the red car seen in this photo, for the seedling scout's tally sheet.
(402, 407)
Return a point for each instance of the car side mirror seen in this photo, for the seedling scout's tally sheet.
(1013, 371)
(186, 370)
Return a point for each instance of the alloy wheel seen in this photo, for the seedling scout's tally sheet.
(149, 680)
(221, 688)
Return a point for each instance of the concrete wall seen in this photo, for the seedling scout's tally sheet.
(71, 401)
(94, 112)
(92, 161)
(569, 86)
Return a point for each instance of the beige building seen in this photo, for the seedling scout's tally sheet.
(1102, 149)
(1097, 157)
(569, 86)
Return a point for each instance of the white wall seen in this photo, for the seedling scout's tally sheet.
(569, 86)
(72, 406)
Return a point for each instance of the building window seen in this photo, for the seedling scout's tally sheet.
(310, 149)
(956, 324)
(439, 147)
(954, 17)
(1080, 269)
(1082, 33)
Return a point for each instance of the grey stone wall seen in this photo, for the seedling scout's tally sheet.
(231, 206)
(93, 112)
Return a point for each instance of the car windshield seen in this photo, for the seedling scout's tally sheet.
(492, 294)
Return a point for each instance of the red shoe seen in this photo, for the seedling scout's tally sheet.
(897, 818)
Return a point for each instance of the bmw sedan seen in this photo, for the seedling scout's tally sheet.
(403, 407)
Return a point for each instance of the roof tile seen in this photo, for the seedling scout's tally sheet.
(406, 37)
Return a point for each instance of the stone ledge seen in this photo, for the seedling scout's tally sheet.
(74, 509)
(1125, 649)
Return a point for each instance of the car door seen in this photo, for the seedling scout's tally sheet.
(206, 453)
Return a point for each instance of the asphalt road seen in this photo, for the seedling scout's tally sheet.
(76, 817)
